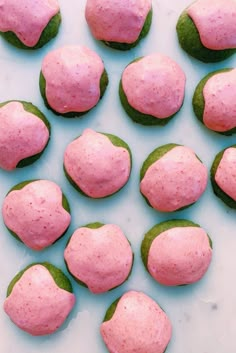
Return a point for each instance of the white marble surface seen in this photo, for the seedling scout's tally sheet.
(203, 315)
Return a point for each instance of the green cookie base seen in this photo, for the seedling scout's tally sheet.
(49, 32)
(111, 310)
(189, 40)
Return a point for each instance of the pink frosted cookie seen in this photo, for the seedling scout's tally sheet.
(120, 24)
(136, 324)
(24, 134)
(176, 252)
(39, 299)
(97, 164)
(172, 177)
(99, 256)
(37, 213)
(29, 24)
(72, 80)
(152, 89)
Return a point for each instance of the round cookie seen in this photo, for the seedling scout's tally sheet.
(136, 323)
(207, 31)
(172, 178)
(99, 257)
(37, 213)
(72, 80)
(152, 89)
(176, 252)
(24, 134)
(97, 164)
(120, 24)
(29, 24)
(223, 176)
(214, 101)
(39, 299)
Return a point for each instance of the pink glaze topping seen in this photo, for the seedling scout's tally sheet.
(27, 18)
(72, 75)
(175, 180)
(138, 325)
(225, 176)
(22, 134)
(179, 256)
(117, 20)
(215, 21)
(35, 213)
(36, 304)
(98, 167)
(101, 258)
(220, 103)
(154, 85)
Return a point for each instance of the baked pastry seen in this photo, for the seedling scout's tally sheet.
(223, 171)
(99, 256)
(29, 24)
(152, 89)
(172, 178)
(24, 134)
(39, 299)
(207, 30)
(97, 164)
(120, 24)
(214, 101)
(37, 213)
(136, 323)
(176, 252)
(72, 80)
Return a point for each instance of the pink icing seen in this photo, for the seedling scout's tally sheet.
(225, 176)
(215, 21)
(97, 166)
(35, 214)
(220, 104)
(22, 134)
(154, 85)
(179, 256)
(101, 258)
(138, 325)
(27, 18)
(175, 180)
(36, 304)
(72, 75)
(117, 20)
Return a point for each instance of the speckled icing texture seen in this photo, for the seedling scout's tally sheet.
(27, 18)
(220, 103)
(226, 171)
(138, 325)
(22, 134)
(101, 258)
(97, 166)
(215, 21)
(35, 213)
(36, 304)
(117, 20)
(175, 180)
(154, 85)
(179, 256)
(72, 75)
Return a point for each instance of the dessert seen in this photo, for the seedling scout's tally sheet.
(136, 323)
(152, 89)
(24, 134)
(39, 299)
(99, 256)
(176, 252)
(37, 213)
(72, 80)
(172, 178)
(97, 164)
